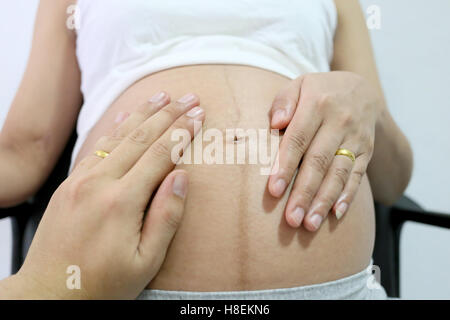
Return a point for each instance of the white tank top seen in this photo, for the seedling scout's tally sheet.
(120, 42)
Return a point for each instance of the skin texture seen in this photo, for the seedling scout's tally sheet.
(233, 96)
(102, 207)
(234, 235)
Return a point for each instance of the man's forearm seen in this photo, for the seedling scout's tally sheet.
(391, 166)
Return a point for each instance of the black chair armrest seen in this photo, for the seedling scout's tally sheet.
(14, 211)
(390, 221)
(407, 210)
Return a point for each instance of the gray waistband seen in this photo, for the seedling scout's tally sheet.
(361, 285)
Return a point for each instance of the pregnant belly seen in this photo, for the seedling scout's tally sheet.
(233, 235)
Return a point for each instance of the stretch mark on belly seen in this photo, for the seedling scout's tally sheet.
(243, 243)
(234, 111)
(243, 239)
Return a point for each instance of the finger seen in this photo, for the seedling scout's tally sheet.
(124, 124)
(141, 114)
(105, 143)
(293, 146)
(329, 191)
(163, 218)
(163, 154)
(351, 188)
(312, 172)
(135, 144)
(285, 104)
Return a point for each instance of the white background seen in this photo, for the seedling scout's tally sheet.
(412, 50)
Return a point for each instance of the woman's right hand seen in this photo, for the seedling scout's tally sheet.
(100, 219)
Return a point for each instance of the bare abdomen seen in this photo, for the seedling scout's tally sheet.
(233, 235)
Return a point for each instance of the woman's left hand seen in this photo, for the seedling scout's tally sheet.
(323, 112)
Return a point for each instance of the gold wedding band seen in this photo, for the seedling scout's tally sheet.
(347, 153)
(102, 154)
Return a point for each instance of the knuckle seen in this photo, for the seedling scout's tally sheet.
(144, 109)
(107, 143)
(320, 162)
(102, 141)
(367, 147)
(122, 131)
(172, 218)
(139, 136)
(113, 202)
(170, 113)
(119, 133)
(298, 142)
(327, 201)
(184, 123)
(77, 188)
(342, 175)
(83, 163)
(307, 193)
(358, 175)
(368, 140)
(347, 120)
(291, 167)
(325, 100)
(160, 150)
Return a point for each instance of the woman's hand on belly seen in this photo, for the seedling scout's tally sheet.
(102, 221)
(233, 235)
(323, 113)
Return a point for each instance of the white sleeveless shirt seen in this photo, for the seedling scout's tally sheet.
(120, 42)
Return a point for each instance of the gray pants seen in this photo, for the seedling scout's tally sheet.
(358, 286)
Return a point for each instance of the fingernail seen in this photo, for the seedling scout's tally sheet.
(316, 220)
(121, 116)
(278, 116)
(279, 187)
(297, 216)
(341, 209)
(187, 98)
(195, 112)
(179, 186)
(158, 97)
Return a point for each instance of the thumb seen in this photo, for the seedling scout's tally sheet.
(163, 218)
(285, 104)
